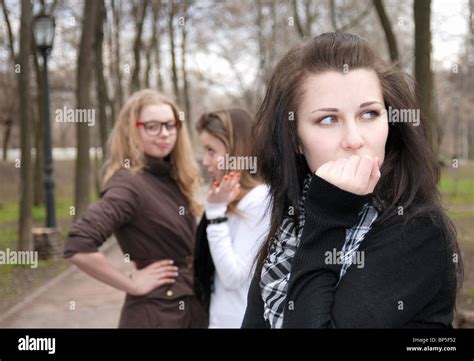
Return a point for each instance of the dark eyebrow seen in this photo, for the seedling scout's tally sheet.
(326, 110)
(369, 103)
(336, 110)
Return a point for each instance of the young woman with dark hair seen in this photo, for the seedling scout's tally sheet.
(358, 236)
(234, 224)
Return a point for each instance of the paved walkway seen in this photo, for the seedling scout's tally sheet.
(96, 304)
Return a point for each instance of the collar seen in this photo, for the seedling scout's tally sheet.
(159, 167)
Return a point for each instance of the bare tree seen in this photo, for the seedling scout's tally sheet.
(118, 95)
(84, 79)
(157, 43)
(387, 28)
(172, 10)
(304, 26)
(266, 38)
(351, 22)
(261, 37)
(102, 93)
(469, 81)
(184, 42)
(156, 6)
(25, 242)
(11, 47)
(11, 39)
(423, 72)
(139, 12)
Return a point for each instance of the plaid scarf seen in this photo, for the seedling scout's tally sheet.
(277, 267)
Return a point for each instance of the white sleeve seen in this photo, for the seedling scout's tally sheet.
(233, 259)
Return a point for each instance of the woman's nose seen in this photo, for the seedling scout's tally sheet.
(164, 132)
(205, 161)
(352, 138)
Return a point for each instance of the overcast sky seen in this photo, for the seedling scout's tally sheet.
(449, 26)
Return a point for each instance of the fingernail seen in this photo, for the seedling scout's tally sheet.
(225, 178)
(237, 175)
(216, 184)
(171, 262)
(231, 174)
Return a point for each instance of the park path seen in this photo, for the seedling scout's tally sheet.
(96, 304)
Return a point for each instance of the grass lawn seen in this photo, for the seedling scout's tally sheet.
(457, 191)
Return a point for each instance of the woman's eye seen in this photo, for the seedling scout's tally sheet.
(371, 114)
(152, 126)
(328, 120)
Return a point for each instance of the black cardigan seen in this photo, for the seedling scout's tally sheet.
(408, 279)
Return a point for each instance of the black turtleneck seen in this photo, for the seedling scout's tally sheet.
(158, 166)
(407, 280)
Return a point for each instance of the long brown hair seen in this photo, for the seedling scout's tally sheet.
(233, 127)
(409, 172)
(125, 147)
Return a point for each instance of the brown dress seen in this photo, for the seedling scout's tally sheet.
(150, 218)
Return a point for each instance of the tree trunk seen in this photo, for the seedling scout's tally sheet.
(387, 28)
(152, 43)
(110, 65)
(272, 49)
(157, 47)
(11, 47)
(261, 39)
(84, 77)
(11, 39)
(140, 13)
(186, 92)
(6, 137)
(103, 99)
(174, 67)
(470, 78)
(309, 17)
(118, 95)
(25, 242)
(423, 73)
(299, 25)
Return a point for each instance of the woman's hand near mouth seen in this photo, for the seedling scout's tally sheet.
(356, 174)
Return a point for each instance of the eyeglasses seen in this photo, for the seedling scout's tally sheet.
(154, 127)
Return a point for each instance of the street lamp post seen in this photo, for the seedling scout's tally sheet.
(43, 31)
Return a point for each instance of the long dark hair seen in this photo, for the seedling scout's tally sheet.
(409, 172)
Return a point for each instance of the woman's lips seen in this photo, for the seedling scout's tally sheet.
(162, 145)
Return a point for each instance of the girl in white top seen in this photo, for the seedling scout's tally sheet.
(235, 221)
